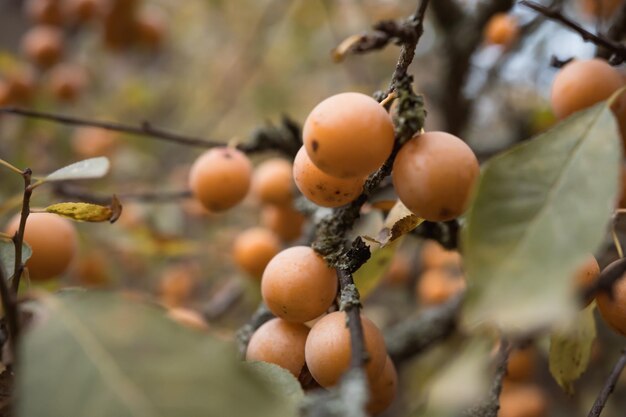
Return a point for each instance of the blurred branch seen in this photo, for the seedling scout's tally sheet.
(284, 139)
(617, 50)
(223, 300)
(490, 406)
(447, 13)
(260, 316)
(445, 233)
(609, 386)
(66, 190)
(461, 40)
(416, 334)
(616, 31)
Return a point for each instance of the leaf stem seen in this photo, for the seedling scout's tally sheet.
(617, 243)
(18, 238)
(10, 166)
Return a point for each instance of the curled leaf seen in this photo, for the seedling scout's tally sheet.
(82, 212)
(399, 222)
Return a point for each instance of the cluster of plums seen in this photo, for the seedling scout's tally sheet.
(122, 23)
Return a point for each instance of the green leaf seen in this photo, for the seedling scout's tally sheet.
(570, 350)
(96, 353)
(7, 256)
(538, 211)
(86, 169)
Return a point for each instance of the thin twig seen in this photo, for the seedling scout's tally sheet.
(10, 166)
(490, 406)
(609, 386)
(617, 49)
(145, 129)
(285, 138)
(407, 53)
(616, 32)
(415, 334)
(18, 238)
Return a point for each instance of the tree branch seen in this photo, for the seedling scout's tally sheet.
(18, 238)
(491, 405)
(416, 334)
(615, 48)
(285, 139)
(609, 386)
(616, 32)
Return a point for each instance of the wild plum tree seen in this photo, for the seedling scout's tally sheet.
(492, 255)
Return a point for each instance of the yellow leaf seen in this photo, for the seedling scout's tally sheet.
(399, 222)
(82, 212)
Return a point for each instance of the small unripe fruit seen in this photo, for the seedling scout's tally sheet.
(581, 84)
(176, 285)
(272, 182)
(601, 8)
(90, 142)
(502, 29)
(5, 93)
(220, 178)
(328, 349)
(281, 343)
(81, 11)
(384, 389)
(348, 135)
(297, 285)
(17, 87)
(613, 309)
(321, 188)
(92, 270)
(151, 27)
(53, 241)
(119, 25)
(399, 270)
(434, 174)
(523, 401)
(67, 82)
(254, 248)
(47, 12)
(188, 318)
(586, 275)
(434, 255)
(436, 286)
(521, 365)
(285, 221)
(43, 45)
